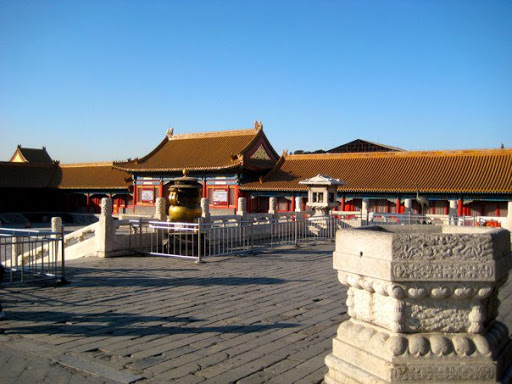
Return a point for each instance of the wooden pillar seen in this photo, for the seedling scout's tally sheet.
(88, 202)
(205, 191)
(293, 204)
(397, 206)
(342, 203)
(135, 197)
(460, 208)
(161, 193)
(237, 194)
(248, 201)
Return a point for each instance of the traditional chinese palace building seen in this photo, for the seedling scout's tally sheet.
(469, 182)
(229, 164)
(221, 161)
(32, 182)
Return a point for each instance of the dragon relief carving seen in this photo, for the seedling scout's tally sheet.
(407, 271)
(442, 247)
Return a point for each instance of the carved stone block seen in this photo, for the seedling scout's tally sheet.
(423, 303)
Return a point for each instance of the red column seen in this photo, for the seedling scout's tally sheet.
(205, 191)
(248, 201)
(460, 207)
(293, 203)
(342, 203)
(135, 197)
(397, 205)
(88, 202)
(237, 195)
(161, 193)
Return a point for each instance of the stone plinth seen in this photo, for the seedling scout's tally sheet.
(160, 209)
(422, 302)
(241, 207)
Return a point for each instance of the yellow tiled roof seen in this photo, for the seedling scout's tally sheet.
(468, 171)
(92, 176)
(27, 175)
(208, 151)
(31, 155)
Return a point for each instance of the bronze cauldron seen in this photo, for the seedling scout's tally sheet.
(185, 199)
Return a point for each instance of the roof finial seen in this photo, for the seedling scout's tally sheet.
(258, 124)
(170, 133)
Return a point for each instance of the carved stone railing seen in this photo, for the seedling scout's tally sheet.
(422, 302)
(80, 235)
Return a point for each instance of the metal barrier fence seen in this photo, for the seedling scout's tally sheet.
(31, 255)
(406, 219)
(236, 236)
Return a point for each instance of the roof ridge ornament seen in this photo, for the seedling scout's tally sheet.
(321, 180)
(258, 124)
(170, 133)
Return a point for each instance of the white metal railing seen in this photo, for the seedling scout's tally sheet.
(406, 219)
(29, 255)
(227, 237)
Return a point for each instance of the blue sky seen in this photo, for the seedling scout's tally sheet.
(103, 80)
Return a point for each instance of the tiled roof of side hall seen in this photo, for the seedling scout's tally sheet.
(31, 155)
(28, 175)
(92, 176)
(207, 151)
(454, 171)
(63, 176)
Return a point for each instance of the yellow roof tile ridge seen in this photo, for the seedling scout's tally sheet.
(356, 155)
(274, 169)
(97, 164)
(200, 135)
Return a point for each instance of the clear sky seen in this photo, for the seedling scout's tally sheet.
(103, 80)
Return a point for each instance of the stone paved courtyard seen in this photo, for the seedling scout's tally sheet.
(247, 319)
(241, 319)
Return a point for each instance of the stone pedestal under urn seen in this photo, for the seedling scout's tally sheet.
(422, 302)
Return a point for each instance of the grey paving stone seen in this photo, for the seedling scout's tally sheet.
(251, 319)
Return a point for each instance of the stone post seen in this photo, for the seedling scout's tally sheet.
(422, 302)
(452, 212)
(53, 250)
(160, 213)
(407, 206)
(16, 250)
(205, 208)
(241, 207)
(105, 230)
(272, 205)
(56, 224)
(364, 210)
(298, 204)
